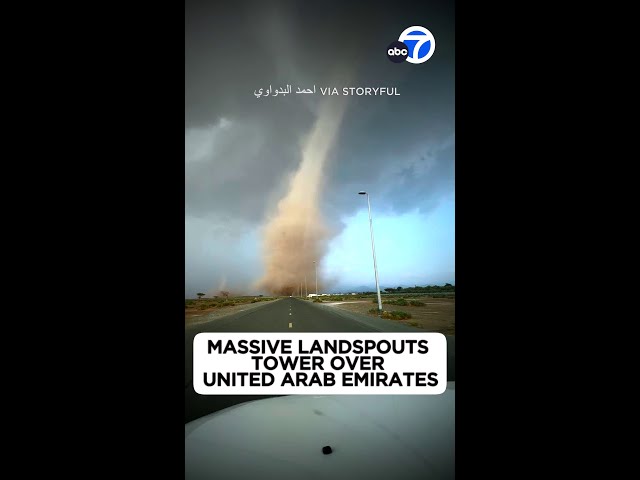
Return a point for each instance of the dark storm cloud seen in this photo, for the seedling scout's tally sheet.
(240, 150)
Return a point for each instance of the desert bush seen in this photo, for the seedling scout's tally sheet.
(396, 315)
(400, 301)
(416, 303)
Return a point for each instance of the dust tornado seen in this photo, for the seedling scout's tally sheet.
(296, 235)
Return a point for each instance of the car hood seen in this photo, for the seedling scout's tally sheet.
(371, 436)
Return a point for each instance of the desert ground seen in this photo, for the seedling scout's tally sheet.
(204, 309)
(436, 315)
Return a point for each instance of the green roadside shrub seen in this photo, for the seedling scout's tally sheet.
(396, 315)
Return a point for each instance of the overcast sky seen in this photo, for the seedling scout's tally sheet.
(240, 151)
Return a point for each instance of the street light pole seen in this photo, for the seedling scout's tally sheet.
(316, 265)
(373, 248)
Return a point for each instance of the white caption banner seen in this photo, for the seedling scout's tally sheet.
(305, 363)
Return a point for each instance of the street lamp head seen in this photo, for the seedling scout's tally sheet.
(362, 192)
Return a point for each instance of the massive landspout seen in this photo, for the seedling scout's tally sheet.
(296, 236)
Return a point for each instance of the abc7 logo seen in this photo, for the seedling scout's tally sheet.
(419, 47)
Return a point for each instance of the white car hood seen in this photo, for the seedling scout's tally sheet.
(372, 437)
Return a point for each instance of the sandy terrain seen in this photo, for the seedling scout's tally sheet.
(437, 315)
(193, 315)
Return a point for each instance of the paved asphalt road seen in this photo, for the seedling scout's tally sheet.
(275, 316)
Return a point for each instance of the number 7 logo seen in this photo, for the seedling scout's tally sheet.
(415, 38)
